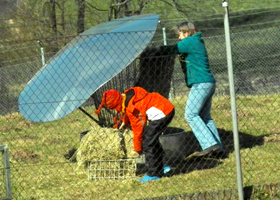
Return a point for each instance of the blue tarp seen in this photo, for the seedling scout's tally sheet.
(84, 65)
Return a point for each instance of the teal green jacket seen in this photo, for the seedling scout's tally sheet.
(195, 59)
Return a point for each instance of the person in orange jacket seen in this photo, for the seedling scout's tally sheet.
(148, 115)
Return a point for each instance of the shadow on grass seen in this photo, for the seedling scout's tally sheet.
(180, 164)
(179, 144)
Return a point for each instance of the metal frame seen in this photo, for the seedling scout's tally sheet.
(6, 164)
(233, 103)
(111, 169)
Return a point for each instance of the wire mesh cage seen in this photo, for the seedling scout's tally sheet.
(112, 169)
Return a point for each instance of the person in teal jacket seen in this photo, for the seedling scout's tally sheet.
(202, 84)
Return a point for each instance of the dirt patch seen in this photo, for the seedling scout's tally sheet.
(25, 155)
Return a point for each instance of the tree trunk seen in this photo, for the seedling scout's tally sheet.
(53, 18)
(119, 9)
(81, 16)
(63, 15)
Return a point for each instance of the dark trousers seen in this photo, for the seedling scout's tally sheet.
(151, 146)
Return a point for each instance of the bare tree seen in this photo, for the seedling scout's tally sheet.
(81, 16)
(49, 10)
(118, 9)
(53, 17)
(62, 9)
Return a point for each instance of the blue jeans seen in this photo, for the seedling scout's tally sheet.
(197, 114)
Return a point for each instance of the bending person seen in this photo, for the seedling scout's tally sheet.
(148, 114)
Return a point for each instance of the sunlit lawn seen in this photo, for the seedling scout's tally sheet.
(39, 169)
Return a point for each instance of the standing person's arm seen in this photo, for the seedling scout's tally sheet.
(168, 49)
(183, 46)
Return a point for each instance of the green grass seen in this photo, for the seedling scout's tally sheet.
(39, 169)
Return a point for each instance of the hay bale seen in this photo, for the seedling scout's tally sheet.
(105, 144)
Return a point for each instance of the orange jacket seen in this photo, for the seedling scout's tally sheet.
(144, 106)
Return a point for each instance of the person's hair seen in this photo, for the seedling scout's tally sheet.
(186, 27)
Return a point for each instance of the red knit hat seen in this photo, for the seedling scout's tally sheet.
(112, 99)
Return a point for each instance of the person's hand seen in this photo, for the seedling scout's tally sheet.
(122, 126)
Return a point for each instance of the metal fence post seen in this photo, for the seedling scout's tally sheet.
(164, 36)
(42, 53)
(165, 43)
(233, 103)
(4, 150)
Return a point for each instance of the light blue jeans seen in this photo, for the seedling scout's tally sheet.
(197, 114)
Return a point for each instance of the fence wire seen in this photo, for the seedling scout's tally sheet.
(53, 160)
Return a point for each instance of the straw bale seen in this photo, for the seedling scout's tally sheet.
(104, 144)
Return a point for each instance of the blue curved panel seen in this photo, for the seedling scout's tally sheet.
(84, 65)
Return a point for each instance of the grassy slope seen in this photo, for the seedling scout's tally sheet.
(38, 165)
